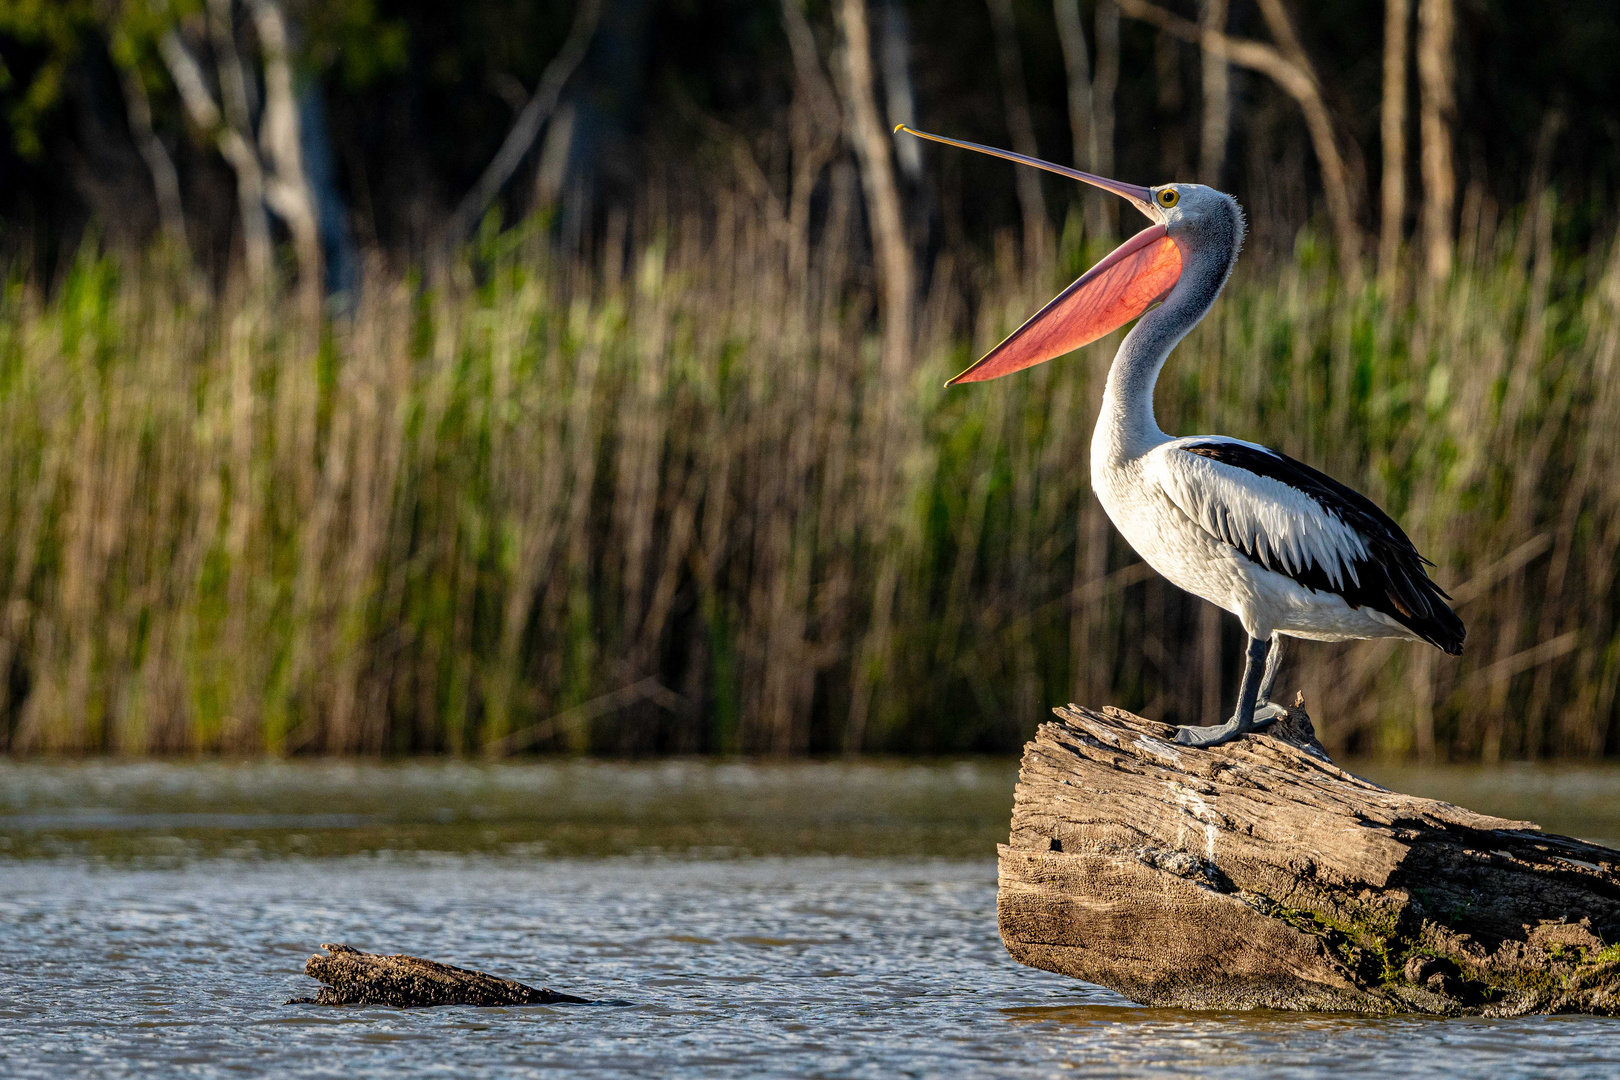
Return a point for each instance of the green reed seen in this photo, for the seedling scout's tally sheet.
(669, 502)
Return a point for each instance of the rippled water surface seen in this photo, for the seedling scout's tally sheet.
(748, 920)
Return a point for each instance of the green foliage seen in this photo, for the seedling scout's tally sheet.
(482, 516)
(348, 36)
(52, 32)
(353, 39)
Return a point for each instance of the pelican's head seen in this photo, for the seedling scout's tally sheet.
(1191, 223)
(1199, 219)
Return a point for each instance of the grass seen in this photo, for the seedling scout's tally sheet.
(666, 502)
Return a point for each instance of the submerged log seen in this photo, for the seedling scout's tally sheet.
(1259, 874)
(353, 977)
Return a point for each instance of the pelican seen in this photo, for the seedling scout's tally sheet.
(1289, 550)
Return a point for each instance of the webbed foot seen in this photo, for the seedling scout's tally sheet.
(1220, 734)
(1267, 713)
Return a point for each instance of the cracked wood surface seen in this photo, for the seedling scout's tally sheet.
(1259, 874)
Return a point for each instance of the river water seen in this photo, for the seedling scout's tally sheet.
(800, 920)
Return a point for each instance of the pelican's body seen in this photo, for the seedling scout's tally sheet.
(1133, 491)
(1288, 550)
(1284, 548)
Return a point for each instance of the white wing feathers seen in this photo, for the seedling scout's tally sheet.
(1280, 526)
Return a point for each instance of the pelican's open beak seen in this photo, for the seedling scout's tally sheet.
(1129, 281)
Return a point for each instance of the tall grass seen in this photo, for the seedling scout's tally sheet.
(667, 501)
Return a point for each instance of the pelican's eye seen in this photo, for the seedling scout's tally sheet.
(1168, 198)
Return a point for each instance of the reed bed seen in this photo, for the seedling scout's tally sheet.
(672, 499)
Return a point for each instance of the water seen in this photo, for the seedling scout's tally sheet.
(795, 921)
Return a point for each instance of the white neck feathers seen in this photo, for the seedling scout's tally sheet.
(1126, 428)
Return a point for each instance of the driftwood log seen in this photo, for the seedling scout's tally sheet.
(1258, 874)
(353, 977)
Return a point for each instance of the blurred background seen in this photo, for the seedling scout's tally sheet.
(380, 376)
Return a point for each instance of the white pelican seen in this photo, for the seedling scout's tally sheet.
(1288, 550)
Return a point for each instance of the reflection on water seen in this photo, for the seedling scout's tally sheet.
(792, 920)
(272, 808)
(1573, 799)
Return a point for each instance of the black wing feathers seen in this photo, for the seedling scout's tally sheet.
(1391, 579)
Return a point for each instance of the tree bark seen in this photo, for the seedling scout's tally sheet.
(1436, 75)
(1392, 125)
(1258, 874)
(353, 977)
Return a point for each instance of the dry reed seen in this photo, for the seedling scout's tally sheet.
(665, 502)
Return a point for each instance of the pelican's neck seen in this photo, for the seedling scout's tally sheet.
(1126, 428)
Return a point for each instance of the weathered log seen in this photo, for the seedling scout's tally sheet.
(1259, 874)
(361, 978)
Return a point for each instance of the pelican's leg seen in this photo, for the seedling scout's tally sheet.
(1242, 721)
(1265, 709)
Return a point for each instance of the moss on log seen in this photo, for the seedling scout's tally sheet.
(1259, 874)
(353, 977)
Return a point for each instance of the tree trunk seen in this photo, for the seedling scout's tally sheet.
(586, 154)
(1436, 74)
(899, 97)
(340, 258)
(287, 188)
(1259, 875)
(873, 149)
(165, 181)
(1217, 119)
(816, 123)
(527, 125)
(1103, 89)
(1015, 101)
(1392, 122)
(353, 977)
(1168, 99)
(1077, 67)
(234, 147)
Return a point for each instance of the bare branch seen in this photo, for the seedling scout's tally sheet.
(873, 149)
(206, 115)
(1298, 80)
(188, 80)
(287, 188)
(812, 79)
(1082, 122)
(1015, 102)
(817, 124)
(527, 125)
(165, 182)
